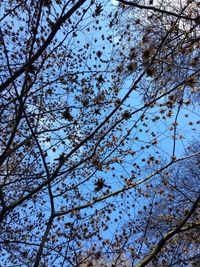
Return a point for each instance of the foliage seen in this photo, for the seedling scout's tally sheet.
(98, 104)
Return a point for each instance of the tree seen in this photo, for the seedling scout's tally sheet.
(88, 107)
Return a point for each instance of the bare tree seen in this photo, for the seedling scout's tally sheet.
(92, 113)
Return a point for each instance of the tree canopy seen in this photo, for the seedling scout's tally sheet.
(99, 149)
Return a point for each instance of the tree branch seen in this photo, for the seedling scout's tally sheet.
(51, 36)
(96, 200)
(155, 9)
(170, 234)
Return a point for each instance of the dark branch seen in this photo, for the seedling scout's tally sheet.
(163, 241)
(152, 8)
(51, 36)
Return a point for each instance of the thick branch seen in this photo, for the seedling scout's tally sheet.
(155, 9)
(43, 241)
(166, 237)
